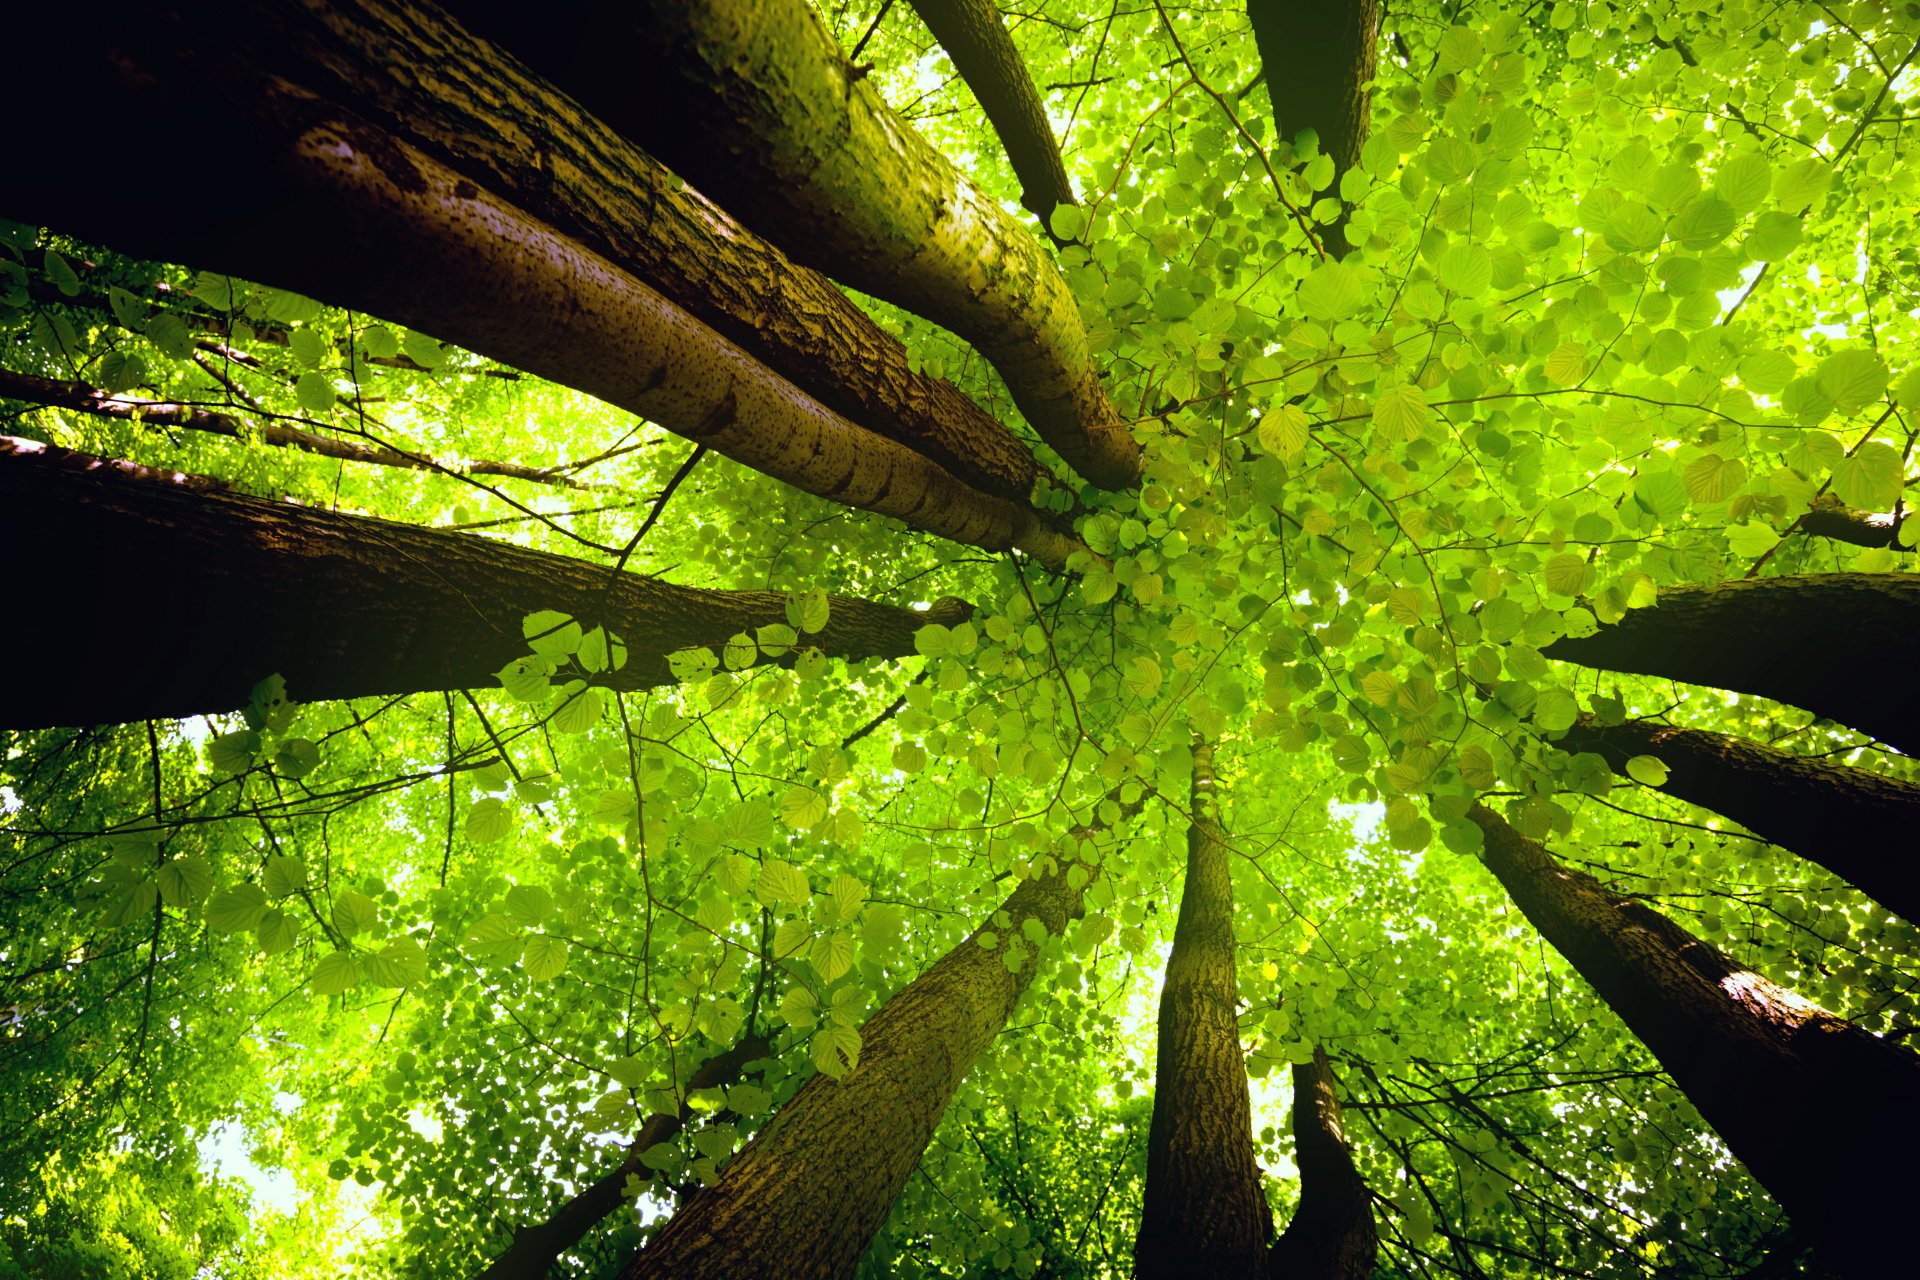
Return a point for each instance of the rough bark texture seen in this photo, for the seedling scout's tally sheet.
(976, 39)
(141, 593)
(806, 1197)
(1331, 1236)
(1202, 1212)
(1858, 824)
(1319, 61)
(347, 213)
(1842, 645)
(1823, 1114)
(411, 69)
(1832, 518)
(754, 103)
(165, 413)
(536, 1247)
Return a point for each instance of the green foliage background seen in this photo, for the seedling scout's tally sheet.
(1634, 286)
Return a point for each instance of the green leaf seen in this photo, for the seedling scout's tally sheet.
(488, 820)
(1853, 378)
(808, 610)
(236, 908)
(1465, 269)
(1647, 770)
(308, 347)
(1332, 291)
(354, 912)
(495, 940)
(1068, 221)
(185, 881)
(296, 758)
(1567, 364)
(831, 955)
(1567, 574)
(530, 904)
(933, 641)
(335, 974)
(277, 931)
(802, 807)
(1284, 430)
(780, 883)
(233, 752)
(552, 634)
(1400, 413)
(1870, 479)
(544, 958)
(314, 392)
(1743, 181)
(62, 274)
(1712, 478)
(284, 876)
(580, 709)
(401, 963)
(836, 1050)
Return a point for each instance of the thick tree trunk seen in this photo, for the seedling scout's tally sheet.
(140, 593)
(165, 413)
(411, 69)
(1858, 824)
(1319, 61)
(975, 37)
(1823, 1114)
(349, 214)
(1841, 645)
(1331, 1236)
(754, 103)
(535, 1248)
(1202, 1212)
(806, 1197)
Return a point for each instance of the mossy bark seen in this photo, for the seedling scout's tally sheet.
(754, 103)
(1202, 1212)
(1841, 645)
(1858, 824)
(144, 593)
(1817, 1109)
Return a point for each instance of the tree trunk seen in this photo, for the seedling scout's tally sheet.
(1319, 61)
(411, 69)
(1842, 645)
(141, 593)
(1823, 1114)
(535, 1248)
(346, 212)
(164, 413)
(807, 1196)
(1331, 1236)
(1832, 518)
(1854, 822)
(1202, 1212)
(754, 103)
(975, 37)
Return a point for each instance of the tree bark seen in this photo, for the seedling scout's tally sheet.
(415, 72)
(1834, 519)
(1331, 1236)
(975, 37)
(347, 213)
(807, 1196)
(535, 1248)
(754, 103)
(1823, 1114)
(1842, 645)
(1319, 61)
(166, 413)
(141, 593)
(1858, 824)
(1202, 1212)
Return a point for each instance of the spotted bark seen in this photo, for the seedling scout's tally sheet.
(1815, 1107)
(1856, 823)
(1202, 1212)
(754, 103)
(1838, 644)
(147, 593)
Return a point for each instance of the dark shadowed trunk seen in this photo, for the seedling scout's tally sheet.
(1318, 56)
(140, 593)
(1826, 1116)
(348, 213)
(1202, 1212)
(975, 37)
(1331, 1236)
(410, 68)
(1842, 645)
(806, 1197)
(755, 103)
(1858, 824)
(1834, 519)
(535, 1247)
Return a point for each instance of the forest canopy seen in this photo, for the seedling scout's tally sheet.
(743, 638)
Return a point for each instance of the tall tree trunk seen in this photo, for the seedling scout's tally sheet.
(140, 593)
(346, 212)
(1841, 645)
(1856, 823)
(1202, 1212)
(975, 37)
(1331, 1236)
(754, 103)
(408, 67)
(806, 1197)
(1319, 60)
(164, 413)
(1823, 1114)
(535, 1248)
